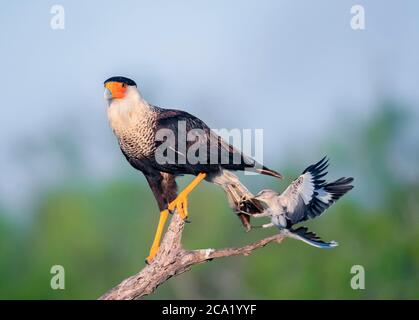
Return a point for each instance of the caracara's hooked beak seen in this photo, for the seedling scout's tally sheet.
(115, 90)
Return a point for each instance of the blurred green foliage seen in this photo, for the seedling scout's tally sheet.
(101, 232)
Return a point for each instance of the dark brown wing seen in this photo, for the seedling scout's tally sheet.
(195, 148)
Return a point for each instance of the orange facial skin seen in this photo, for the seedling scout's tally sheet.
(117, 89)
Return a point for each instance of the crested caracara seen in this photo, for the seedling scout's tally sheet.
(138, 126)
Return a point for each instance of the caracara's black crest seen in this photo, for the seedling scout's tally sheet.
(122, 80)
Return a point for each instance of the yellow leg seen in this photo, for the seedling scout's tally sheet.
(156, 243)
(181, 204)
(181, 201)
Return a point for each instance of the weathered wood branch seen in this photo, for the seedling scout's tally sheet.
(172, 260)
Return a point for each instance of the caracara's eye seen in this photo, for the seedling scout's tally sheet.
(124, 85)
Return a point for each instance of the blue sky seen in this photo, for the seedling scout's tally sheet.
(289, 67)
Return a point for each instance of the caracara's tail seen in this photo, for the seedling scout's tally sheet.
(236, 192)
(266, 171)
(254, 167)
(246, 163)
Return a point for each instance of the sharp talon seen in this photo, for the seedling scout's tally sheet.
(150, 257)
(149, 260)
(187, 221)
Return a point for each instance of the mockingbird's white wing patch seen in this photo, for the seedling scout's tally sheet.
(309, 195)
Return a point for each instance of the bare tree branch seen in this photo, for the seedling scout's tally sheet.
(172, 260)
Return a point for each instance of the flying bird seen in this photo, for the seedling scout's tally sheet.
(144, 131)
(307, 197)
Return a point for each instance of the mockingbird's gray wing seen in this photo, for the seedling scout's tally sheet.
(309, 195)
